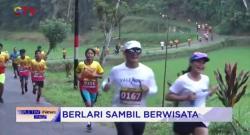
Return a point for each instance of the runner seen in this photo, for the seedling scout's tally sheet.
(162, 45)
(13, 56)
(189, 42)
(43, 54)
(210, 30)
(176, 42)
(191, 90)
(88, 72)
(38, 67)
(133, 82)
(64, 52)
(23, 63)
(4, 57)
(97, 51)
(171, 43)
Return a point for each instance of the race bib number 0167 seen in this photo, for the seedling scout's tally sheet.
(130, 95)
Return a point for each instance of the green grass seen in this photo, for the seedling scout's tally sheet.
(66, 96)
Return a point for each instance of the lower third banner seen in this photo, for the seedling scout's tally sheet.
(123, 114)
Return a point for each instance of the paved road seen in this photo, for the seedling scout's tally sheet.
(157, 49)
(13, 98)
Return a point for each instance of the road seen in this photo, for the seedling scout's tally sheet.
(13, 98)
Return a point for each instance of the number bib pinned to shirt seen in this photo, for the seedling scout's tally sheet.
(23, 71)
(38, 76)
(130, 94)
(89, 83)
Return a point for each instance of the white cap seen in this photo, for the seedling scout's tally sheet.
(132, 44)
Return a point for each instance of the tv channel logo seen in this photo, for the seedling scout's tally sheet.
(24, 11)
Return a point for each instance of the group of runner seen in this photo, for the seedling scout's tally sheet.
(23, 67)
(133, 82)
(204, 31)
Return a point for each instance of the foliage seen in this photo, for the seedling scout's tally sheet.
(233, 88)
(110, 17)
(227, 14)
(55, 31)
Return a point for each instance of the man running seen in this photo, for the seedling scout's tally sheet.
(43, 54)
(4, 57)
(38, 67)
(23, 62)
(88, 72)
(133, 82)
(13, 56)
(64, 52)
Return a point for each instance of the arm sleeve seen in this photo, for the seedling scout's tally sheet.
(99, 69)
(29, 61)
(152, 84)
(208, 82)
(79, 68)
(45, 65)
(31, 65)
(177, 86)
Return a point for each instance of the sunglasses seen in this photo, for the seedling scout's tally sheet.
(133, 51)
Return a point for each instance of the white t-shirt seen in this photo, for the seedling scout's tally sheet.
(184, 85)
(127, 82)
(162, 44)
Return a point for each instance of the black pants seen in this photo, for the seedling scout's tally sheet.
(130, 128)
(186, 128)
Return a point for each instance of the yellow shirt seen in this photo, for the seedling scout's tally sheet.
(38, 66)
(4, 57)
(88, 82)
(64, 52)
(23, 65)
(26, 62)
(37, 70)
(93, 67)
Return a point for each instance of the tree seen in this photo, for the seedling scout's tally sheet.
(107, 13)
(55, 31)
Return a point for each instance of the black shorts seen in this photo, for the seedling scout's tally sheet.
(184, 128)
(23, 78)
(130, 128)
(38, 83)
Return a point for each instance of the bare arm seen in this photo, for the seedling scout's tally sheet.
(213, 90)
(107, 85)
(96, 75)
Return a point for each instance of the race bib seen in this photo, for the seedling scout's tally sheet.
(130, 94)
(38, 76)
(89, 83)
(23, 69)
